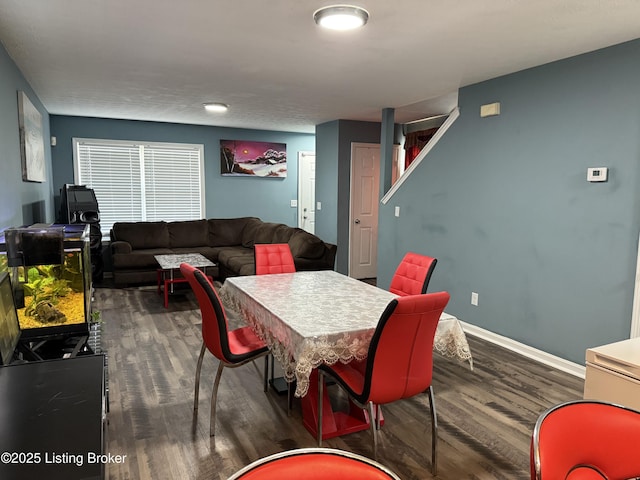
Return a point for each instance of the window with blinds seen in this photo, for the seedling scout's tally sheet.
(136, 181)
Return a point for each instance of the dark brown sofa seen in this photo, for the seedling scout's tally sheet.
(228, 242)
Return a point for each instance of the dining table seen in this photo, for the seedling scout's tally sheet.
(312, 317)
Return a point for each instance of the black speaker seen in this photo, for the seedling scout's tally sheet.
(88, 216)
(78, 204)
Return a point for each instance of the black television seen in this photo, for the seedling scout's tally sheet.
(9, 326)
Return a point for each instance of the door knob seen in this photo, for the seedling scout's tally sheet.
(357, 221)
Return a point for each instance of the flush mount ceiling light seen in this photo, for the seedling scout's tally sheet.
(341, 17)
(216, 107)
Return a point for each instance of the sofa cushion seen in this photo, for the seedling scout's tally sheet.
(283, 233)
(248, 268)
(249, 232)
(266, 232)
(139, 259)
(240, 264)
(306, 245)
(225, 232)
(225, 255)
(209, 252)
(142, 234)
(190, 233)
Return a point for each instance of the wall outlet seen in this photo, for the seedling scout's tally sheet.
(474, 298)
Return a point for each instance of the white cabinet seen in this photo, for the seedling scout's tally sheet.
(613, 373)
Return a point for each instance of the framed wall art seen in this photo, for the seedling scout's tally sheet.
(253, 159)
(31, 140)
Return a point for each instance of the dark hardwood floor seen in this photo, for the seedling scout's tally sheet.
(485, 416)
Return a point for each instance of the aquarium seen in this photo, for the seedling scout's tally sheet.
(50, 270)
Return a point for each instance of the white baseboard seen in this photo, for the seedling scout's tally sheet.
(525, 350)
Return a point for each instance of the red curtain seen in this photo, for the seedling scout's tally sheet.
(414, 142)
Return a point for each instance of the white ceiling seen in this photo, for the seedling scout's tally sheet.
(160, 60)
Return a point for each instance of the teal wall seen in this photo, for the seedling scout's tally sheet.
(504, 204)
(20, 202)
(333, 179)
(327, 181)
(267, 198)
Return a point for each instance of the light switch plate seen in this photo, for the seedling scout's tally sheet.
(294, 203)
(397, 212)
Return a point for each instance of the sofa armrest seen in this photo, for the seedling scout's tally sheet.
(326, 262)
(120, 246)
(330, 255)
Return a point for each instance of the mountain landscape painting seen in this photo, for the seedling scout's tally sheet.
(254, 159)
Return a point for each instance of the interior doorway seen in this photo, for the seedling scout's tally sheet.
(307, 191)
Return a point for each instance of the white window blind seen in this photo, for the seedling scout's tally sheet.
(141, 181)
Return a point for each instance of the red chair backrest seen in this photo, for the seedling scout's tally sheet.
(215, 331)
(307, 464)
(400, 358)
(412, 275)
(586, 440)
(273, 258)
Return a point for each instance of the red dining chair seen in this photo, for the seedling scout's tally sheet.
(399, 362)
(314, 464)
(412, 275)
(232, 348)
(273, 258)
(586, 440)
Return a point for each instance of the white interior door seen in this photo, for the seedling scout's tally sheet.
(307, 191)
(365, 186)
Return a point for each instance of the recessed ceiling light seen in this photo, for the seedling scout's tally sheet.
(341, 17)
(216, 107)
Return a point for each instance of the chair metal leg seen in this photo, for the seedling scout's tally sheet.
(273, 362)
(266, 373)
(289, 398)
(214, 400)
(374, 430)
(434, 432)
(378, 416)
(197, 387)
(320, 393)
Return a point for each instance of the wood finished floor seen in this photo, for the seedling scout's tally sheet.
(485, 416)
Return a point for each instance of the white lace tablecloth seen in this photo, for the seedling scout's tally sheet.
(309, 318)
